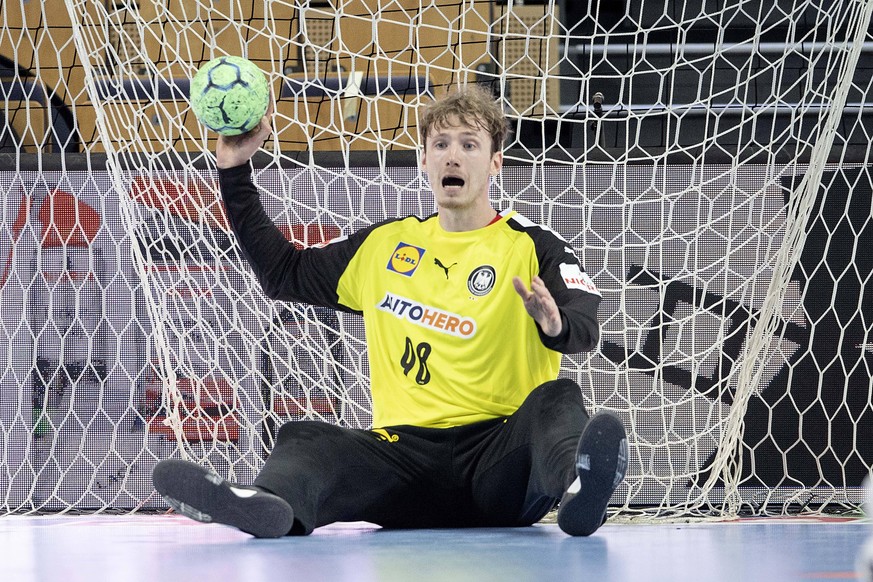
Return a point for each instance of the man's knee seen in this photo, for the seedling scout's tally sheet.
(558, 393)
(301, 431)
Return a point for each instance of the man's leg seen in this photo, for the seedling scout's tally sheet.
(328, 473)
(397, 477)
(548, 451)
(316, 474)
(521, 469)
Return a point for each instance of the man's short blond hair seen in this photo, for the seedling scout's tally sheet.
(471, 105)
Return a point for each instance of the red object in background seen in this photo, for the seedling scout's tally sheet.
(64, 221)
(208, 410)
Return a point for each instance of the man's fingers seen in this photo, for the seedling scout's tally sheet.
(533, 297)
(540, 304)
(521, 288)
(539, 292)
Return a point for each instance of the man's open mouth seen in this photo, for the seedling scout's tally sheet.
(450, 181)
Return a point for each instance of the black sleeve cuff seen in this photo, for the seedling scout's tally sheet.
(555, 343)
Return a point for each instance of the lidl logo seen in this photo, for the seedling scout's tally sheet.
(405, 259)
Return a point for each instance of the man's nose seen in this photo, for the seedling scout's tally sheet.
(452, 155)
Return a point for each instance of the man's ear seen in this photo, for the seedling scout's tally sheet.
(496, 162)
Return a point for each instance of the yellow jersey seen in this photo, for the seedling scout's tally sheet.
(448, 338)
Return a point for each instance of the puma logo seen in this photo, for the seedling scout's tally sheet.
(439, 264)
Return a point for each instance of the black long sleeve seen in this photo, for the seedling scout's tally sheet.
(284, 272)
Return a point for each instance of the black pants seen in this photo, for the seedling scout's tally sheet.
(507, 471)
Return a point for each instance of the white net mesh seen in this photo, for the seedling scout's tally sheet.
(707, 161)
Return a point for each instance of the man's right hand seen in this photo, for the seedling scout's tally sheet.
(235, 150)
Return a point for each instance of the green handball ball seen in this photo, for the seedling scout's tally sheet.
(230, 95)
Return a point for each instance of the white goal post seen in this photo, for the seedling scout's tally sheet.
(708, 162)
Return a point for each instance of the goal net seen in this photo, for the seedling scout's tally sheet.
(708, 162)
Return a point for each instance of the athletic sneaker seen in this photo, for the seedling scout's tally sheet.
(197, 493)
(601, 462)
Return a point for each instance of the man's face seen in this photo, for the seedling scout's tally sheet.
(459, 163)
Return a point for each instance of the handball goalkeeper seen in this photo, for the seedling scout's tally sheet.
(467, 313)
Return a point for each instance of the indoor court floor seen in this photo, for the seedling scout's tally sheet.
(156, 548)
